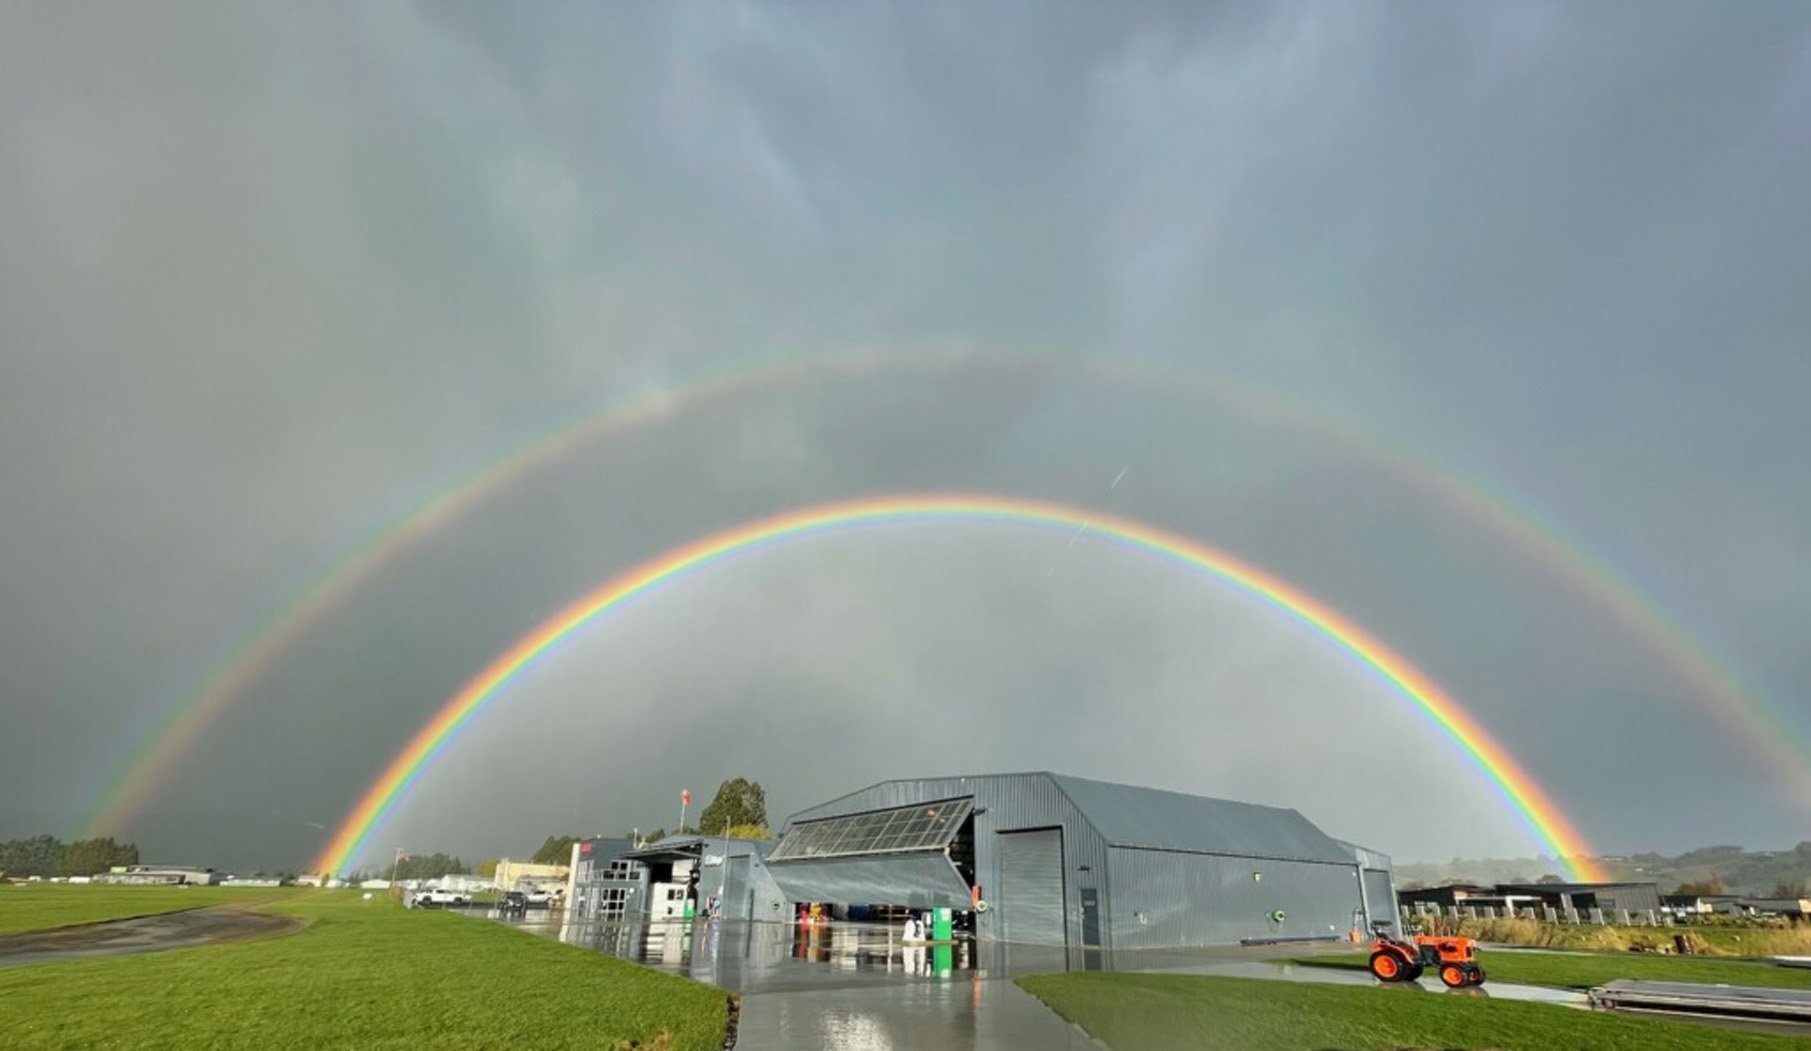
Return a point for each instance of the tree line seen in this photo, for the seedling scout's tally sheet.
(428, 866)
(50, 856)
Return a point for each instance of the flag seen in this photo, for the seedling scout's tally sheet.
(685, 796)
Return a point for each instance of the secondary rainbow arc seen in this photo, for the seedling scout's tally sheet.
(1773, 734)
(1530, 803)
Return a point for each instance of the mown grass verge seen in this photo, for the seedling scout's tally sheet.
(1562, 971)
(42, 906)
(366, 974)
(1149, 1011)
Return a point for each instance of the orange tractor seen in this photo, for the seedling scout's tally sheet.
(1395, 960)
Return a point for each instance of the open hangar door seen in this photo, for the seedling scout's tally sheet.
(898, 856)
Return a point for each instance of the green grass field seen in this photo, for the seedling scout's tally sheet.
(38, 906)
(365, 974)
(1563, 971)
(1140, 1011)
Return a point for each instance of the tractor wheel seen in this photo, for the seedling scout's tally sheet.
(1386, 966)
(1413, 974)
(1453, 975)
(1477, 975)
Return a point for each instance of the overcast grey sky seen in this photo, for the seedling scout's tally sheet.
(271, 273)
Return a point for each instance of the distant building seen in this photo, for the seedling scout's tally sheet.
(1794, 908)
(1461, 894)
(1610, 897)
(310, 880)
(235, 881)
(167, 875)
(528, 876)
(1698, 904)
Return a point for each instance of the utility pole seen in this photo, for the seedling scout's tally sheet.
(723, 868)
(685, 801)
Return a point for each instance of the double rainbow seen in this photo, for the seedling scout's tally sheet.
(1531, 805)
(1774, 736)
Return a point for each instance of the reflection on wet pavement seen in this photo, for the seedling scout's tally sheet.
(852, 985)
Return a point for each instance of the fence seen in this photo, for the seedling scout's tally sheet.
(1545, 913)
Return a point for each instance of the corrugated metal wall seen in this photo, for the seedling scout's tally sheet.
(765, 896)
(734, 880)
(1165, 899)
(1003, 803)
(1380, 901)
(1379, 887)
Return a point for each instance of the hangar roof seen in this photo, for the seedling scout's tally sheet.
(1129, 816)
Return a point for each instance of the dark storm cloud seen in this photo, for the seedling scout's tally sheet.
(270, 276)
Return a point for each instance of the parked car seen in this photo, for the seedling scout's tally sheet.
(540, 899)
(434, 896)
(513, 901)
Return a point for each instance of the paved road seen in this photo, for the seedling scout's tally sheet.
(172, 930)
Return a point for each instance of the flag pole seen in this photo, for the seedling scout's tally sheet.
(395, 863)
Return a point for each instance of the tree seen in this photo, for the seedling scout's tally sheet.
(738, 801)
(488, 867)
(1550, 878)
(37, 856)
(749, 832)
(557, 850)
(428, 866)
(1791, 889)
(657, 835)
(1713, 885)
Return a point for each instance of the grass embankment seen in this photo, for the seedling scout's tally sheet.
(1136, 1011)
(41, 906)
(1582, 972)
(363, 974)
(1707, 939)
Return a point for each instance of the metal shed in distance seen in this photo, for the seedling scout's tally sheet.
(1064, 860)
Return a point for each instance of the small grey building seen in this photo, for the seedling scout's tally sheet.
(612, 879)
(1048, 859)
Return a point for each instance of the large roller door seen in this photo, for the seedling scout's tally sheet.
(1030, 898)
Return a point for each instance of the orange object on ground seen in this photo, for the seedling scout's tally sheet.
(1396, 960)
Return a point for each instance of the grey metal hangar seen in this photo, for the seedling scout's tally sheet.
(1048, 859)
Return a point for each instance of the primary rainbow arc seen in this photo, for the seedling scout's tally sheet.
(1775, 736)
(1526, 798)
